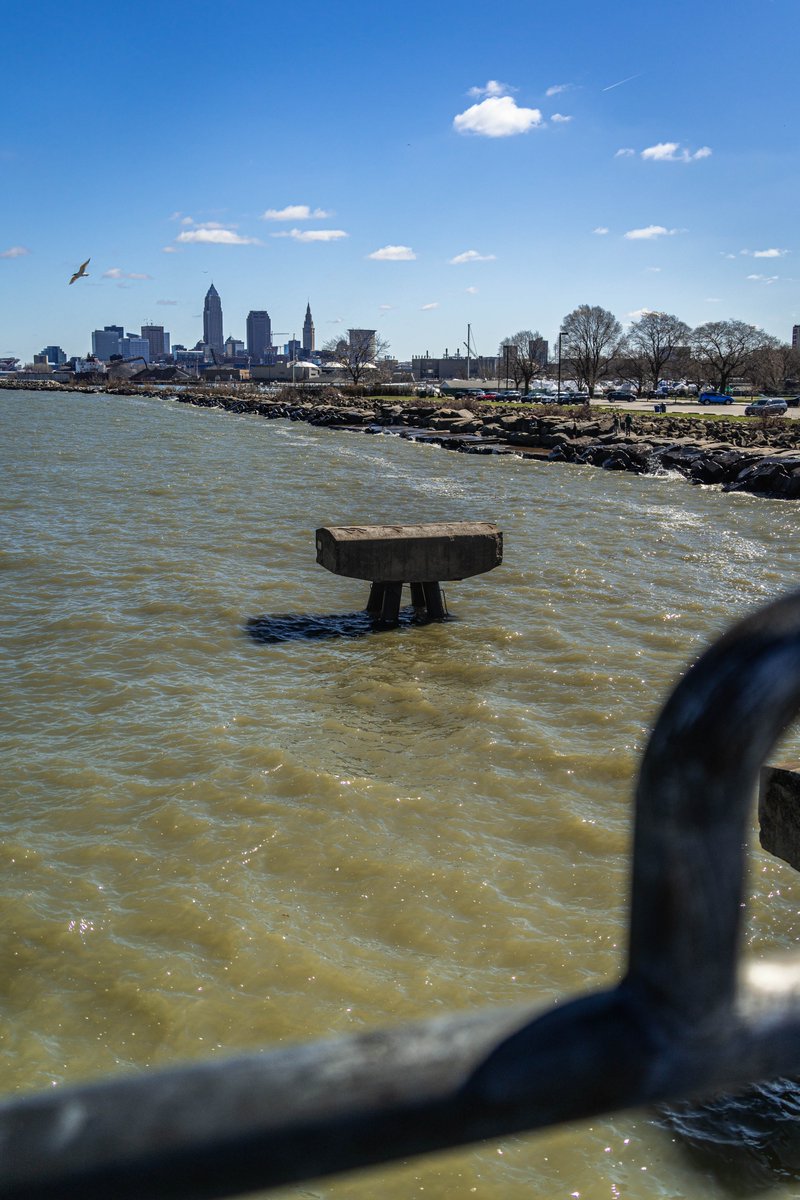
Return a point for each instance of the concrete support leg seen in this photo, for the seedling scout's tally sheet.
(375, 602)
(418, 597)
(390, 612)
(779, 811)
(433, 600)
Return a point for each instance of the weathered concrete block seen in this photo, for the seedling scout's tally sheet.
(410, 553)
(779, 811)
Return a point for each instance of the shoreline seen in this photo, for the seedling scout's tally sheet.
(737, 457)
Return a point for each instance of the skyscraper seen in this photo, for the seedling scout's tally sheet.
(159, 342)
(259, 334)
(212, 320)
(308, 332)
(796, 337)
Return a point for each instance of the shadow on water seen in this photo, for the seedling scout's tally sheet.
(750, 1142)
(300, 627)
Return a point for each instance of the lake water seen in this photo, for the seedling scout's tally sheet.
(212, 843)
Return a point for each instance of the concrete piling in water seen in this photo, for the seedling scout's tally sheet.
(779, 811)
(423, 556)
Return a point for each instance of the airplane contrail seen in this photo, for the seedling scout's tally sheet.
(613, 85)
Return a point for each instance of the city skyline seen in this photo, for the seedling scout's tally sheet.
(498, 181)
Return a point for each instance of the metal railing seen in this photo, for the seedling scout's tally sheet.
(685, 1018)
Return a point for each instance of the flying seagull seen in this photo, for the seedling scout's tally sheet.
(81, 271)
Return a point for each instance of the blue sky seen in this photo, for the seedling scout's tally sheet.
(441, 164)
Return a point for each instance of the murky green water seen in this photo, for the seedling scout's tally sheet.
(210, 843)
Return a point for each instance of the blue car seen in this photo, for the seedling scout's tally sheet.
(715, 398)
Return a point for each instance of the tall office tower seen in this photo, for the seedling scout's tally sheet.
(308, 332)
(212, 320)
(796, 337)
(538, 350)
(154, 334)
(259, 334)
(106, 341)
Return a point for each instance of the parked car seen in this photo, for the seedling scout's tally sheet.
(621, 394)
(715, 398)
(766, 405)
(793, 401)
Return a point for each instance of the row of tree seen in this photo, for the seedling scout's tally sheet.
(658, 345)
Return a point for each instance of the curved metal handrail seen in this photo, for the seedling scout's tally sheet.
(683, 1019)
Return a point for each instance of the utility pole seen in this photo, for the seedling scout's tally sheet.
(560, 336)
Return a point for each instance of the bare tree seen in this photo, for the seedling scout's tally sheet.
(590, 336)
(724, 349)
(656, 340)
(522, 354)
(771, 367)
(356, 356)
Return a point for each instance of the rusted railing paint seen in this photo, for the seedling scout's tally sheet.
(684, 1019)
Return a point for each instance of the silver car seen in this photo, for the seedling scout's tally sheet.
(766, 405)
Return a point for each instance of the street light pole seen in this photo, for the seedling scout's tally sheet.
(560, 336)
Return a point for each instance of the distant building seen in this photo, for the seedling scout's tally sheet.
(423, 367)
(190, 360)
(234, 348)
(212, 320)
(796, 337)
(54, 355)
(132, 346)
(363, 341)
(106, 342)
(158, 340)
(293, 349)
(259, 335)
(539, 350)
(308, 332)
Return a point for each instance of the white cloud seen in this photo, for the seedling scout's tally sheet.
(654, 269)
(624, 152)
(312, 235)
(560, 118)
(295, 212)
(558, 88)
(214, 236)
(671, 152)
(713, 300)
(639, 312)
(169, 250)
(650, 231)
(393, 254)
(471, 256)
(118, 273)
(428, 307)
(386, 307)
(600, 230)
(473, 291)
(763, 278)
(493, 88)
(187, 221)
(498, 116)
(772, 253)
(15, 252)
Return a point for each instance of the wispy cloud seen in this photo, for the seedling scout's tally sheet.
(560, 118)
(295, 212)
(655, 270)
(649, 232)
(312, 235)
(118, 273)
(169, 250)
(620, 82)
(212, 235)
(763, 278)
(671, 152)
(15, 252)
(774, 252)
(472, 291)
(393, 254)
(386, 307)
(625, 152)
(470, 256)
(601, 230)
(428, 307)
(639, 312)
(492, 87)
(713, 300)
(498, 116)
(557, 88)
